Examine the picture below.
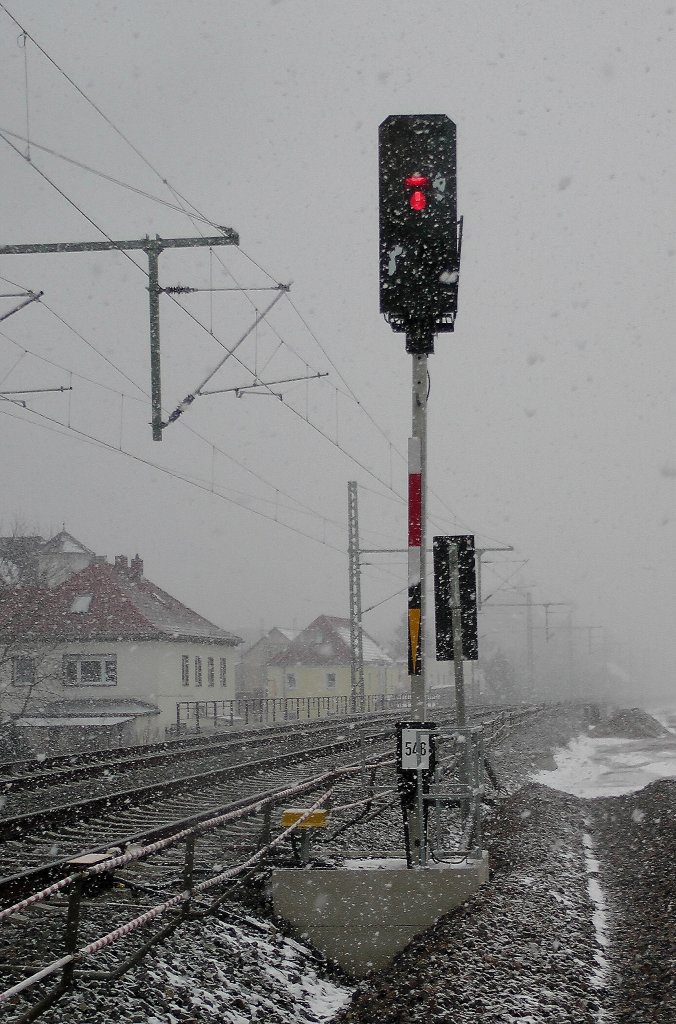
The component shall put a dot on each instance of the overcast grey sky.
(551, 423)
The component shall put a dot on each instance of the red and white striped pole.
(414, 567)
(417, 462)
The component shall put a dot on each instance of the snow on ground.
(595, 767)
(666, 717)
(220, 971)
(600, 914)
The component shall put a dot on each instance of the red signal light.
(417, 199)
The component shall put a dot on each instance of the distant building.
(32, 560)
(103, 657)
(318, 663)
(251, 675)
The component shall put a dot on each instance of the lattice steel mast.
(354, 572)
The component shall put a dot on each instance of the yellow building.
(318, 664)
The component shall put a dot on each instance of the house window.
(223, 672)
(291, 681)
(90, 669)
(198, 671)
(330, 680)
(185, 670)
(210, 671)
(81, 603)
(23, 670)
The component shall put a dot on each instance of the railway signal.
(419, 267)
(419, 228)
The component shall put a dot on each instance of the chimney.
(121, 562)
(136, 567)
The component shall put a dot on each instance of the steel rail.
(12, 771)
(236, 810)
(23, 824)
(150, 915)
(74, 773)
(45, 873)
(42, 874)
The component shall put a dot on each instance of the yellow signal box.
(315, 819)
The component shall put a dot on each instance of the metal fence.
(193, 715)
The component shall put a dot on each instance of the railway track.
(177, 841)
(20, 777)
(30, 784)
(91, 812)
(36, 846)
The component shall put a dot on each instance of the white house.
(103, 657)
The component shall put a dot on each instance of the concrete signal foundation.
(364, 912)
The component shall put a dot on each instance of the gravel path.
(522, 950)
(635, 841)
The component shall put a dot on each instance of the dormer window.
(81, 603)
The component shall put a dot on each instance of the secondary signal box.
(443, 596)
(419, 239)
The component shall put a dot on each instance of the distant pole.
(354, 573)
(530, 658)
(153, 252)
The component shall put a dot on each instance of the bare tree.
(27, 665)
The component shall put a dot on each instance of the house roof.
(326, 641)
(65, 543)
(271, 641)
(288, 634)
(100, 707)
(123, 606)
(70, 721)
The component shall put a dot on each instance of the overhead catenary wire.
(177, 412)
(24, 350)
(72, 202)
(195, 393)
(197, 214)
(228, 352)
(22, 43)
(86, 438)
(80, 91)
(181, 408)
(106, 177)
(297, 506)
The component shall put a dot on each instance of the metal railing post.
(72, 927)
(188, 870)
